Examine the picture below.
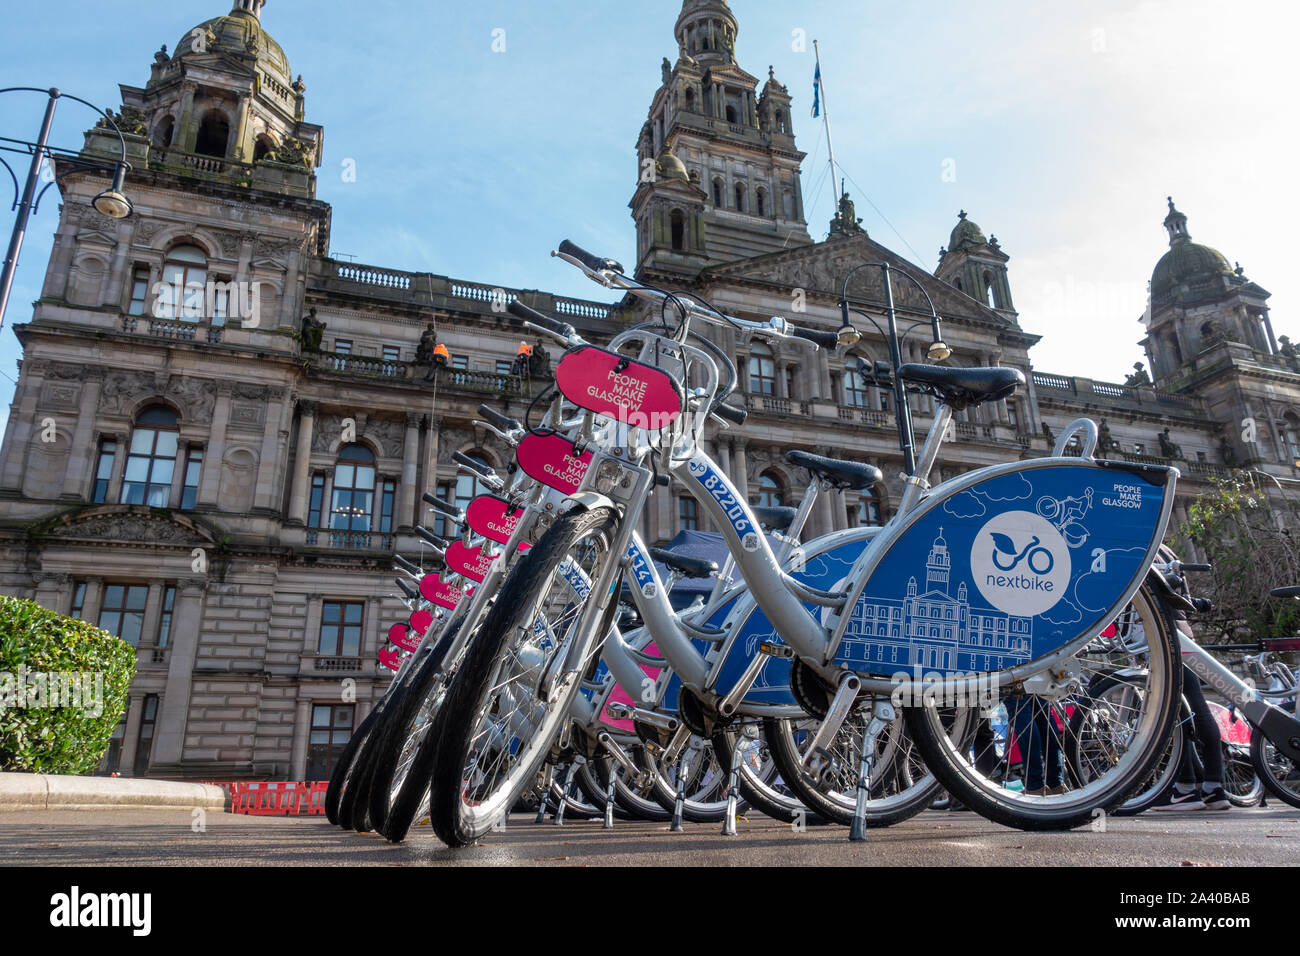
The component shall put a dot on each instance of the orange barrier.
(276, 799)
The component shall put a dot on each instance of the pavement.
(41, 791)
(1256, 837)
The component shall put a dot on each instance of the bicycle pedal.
(775, 650)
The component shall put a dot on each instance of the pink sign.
(548, 457)
(421, 620)
(471, 562)
(402, 636)
(491, 517)
(615, 386)
(619, 696)
(435, 589)
(391, 658)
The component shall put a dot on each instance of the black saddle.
(851, 475)
(1291, 591)
(963, 387)
(776, 518)
(684, 564)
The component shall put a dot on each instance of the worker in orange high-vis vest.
(441, 359)
(523, 358)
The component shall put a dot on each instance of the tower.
(717, 167)
(977, 266)
(937, 565)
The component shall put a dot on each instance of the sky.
(1058, 127)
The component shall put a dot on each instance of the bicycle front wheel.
(507, 702)
(1278, 774)
(1124, 743)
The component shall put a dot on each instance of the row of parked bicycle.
(1015, 636)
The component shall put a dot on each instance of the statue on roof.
(846, 222)
(667, 69)
(1139, 378)
(1288, 351)
(161, 56)
(1168, 448)
(312, 331)
(539, 363)
(1105, 441)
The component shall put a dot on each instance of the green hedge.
(35, 735)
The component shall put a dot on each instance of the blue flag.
(817, 92)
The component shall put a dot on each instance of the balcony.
(408, 373)
(348, 540)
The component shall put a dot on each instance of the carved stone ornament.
(130, 528)
(390, 433)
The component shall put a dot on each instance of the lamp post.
(937, 351)
(111, 202)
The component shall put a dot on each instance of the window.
(392, 353)
(165, 622)
(78, 599)
(462, 491)
(331, 728)
(1291, 435)
(688, 514)
(740, 197)
(460, 361)
(780, 121)
(761, 199)
(144, 742)
(139, 290)
(340, 629)
(690, 101)
(122, 614)
(677, 225)
(770, 491)
(1013, 416)
(343, 346)
(151, 459)
(354, 489)
(717, 193)
(163, 132)
(762, 370)
(387, 498)
(855, 389)
(114, 756)
(868, 511)
(262, 149)
(104, 470)
(184, 285)
(1139, 448)
(214, 134)
(505, 367)
(731, 113)
(193, 468)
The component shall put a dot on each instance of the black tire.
(759, 788)
(1241, 781)
(1077, 806)
(1160, 782)
(706, 794)
(393, 813)
(470, 695)
(1278, 774)
(341, 774)
(632, 803)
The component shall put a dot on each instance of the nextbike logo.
(734, 510)
(1020, 563)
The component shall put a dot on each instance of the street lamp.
(936, 352)
(112, 202)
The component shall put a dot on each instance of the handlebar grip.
(407, 566)
(594, 263)
(526, 314)
(503, 422)
(1195, 567)
(445, 507)
(827, 340)
(736, 416)
(406, 589)
(461, 458)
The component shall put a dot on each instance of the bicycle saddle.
(776, 518)
(1291, 591)
(684, 564)
(851, 475)
(963, 387)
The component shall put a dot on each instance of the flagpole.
(826, 115)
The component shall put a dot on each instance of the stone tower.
(977, 266)
(718, 171)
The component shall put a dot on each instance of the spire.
(1176, 223)
(706, 31)
(252, 7)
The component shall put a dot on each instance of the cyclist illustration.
(1067, 514)
(1039, 559)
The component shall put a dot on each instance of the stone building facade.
(220, 434)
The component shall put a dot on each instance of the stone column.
(110, 289)
(18, 431)
(83, 456)
(52, 592)
(406, 489)
(301, 733)
(781, 391)
(65, 244)
(131, 734)
(724, 454)
(152, 615)
(299, 496)
(174, 708)
(92, 600)
(216, 450)
(187, 131)
(269, 466)
(741, 474)
(432, 426)
(114, 493)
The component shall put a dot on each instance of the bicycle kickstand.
(733, 786)
(558, 819)
(882, 715)
(546, 792)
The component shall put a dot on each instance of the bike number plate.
(548, 457)
(613, 385)
(1005, 571)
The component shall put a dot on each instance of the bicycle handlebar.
(521, 311)
(594, 263)
(503, 422)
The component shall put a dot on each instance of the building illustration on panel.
(934, 629)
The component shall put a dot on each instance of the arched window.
(771, 494)
(677, 225)
(151, 460)
(353, 500)
(262, 148)
(717, 192)
(731, 114)
(855, 389)
(184, 280)
(690, 100)
(740, 197)
(762, 370)
(869, 511)
(163, 132)
(1291, 435)
(990, 293)
(461, 491)
(761, 199)
(214, 135)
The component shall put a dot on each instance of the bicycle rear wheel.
(1276, 771)
(1132, 739)
(506, 703)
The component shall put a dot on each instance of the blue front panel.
(1005, 571)
(669, 699)
(773, 684)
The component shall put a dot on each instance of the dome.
(1186, 263)
(670, 167)
(238, 33)
(966, 233)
